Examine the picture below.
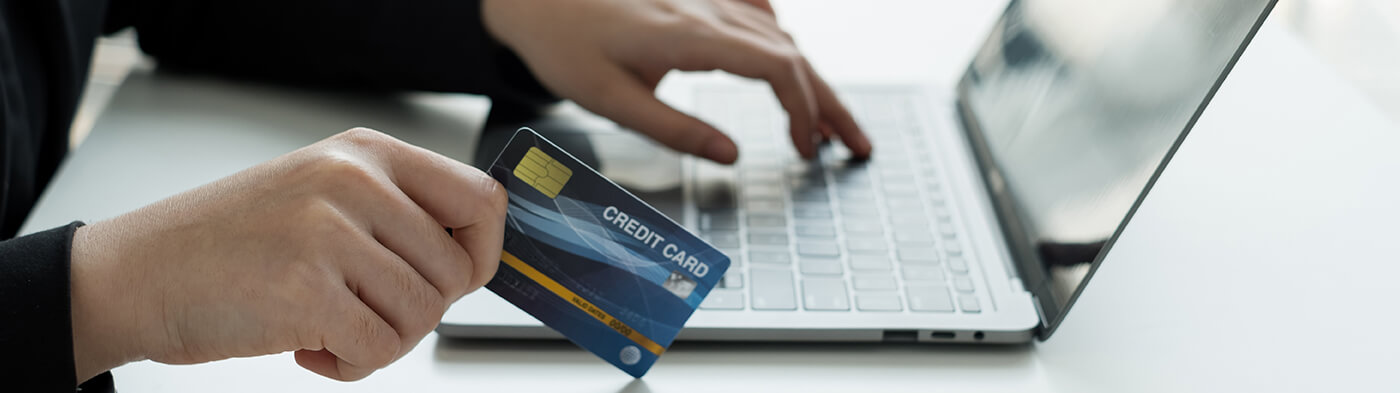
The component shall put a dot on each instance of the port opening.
(901, 336)
(942, 335)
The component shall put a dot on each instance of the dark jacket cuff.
(36, 331)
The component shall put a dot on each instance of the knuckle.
(340, 172)
(482, 271)
(497, 197)
(320, 216)
(382, 344)
(787, 37)
(680, 20)
(425, 303)
(433, 308)
(362, 136)
(783, 60)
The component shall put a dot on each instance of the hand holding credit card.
(594, 262)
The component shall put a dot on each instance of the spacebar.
(772, 290)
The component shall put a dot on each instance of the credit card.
(594, 262)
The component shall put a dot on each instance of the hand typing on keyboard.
(833, 235)
(609, 55)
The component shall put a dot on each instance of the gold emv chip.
(543, 172)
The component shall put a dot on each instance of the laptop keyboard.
(830, 234)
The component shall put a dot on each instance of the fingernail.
(721, 150)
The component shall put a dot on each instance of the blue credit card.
(594, 262)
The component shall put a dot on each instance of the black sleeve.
(434, 45)
(36, 331)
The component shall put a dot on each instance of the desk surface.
(1262, 261)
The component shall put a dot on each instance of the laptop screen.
(1075, 106)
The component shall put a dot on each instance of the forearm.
(435, 45)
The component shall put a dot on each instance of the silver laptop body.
(984, 211)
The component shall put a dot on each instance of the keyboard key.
(932, 299)
(897, 203)
(936, 199)
(768, 239)
(811, 212)
(866, 244)
(878, 303)
(870, 262)
(780, 257)
(767, 221)
(732, 280)
(929, 174)
(923, 273)
(907, 218)
(917, 255)
(947, 231)
(911, 213)
(723, 239)
(852, 180)
(901, 189)
(902, 193)
(770, 190)
(814, 195)
(768, 205)
(818, 249)
(864, 226)
(735, 257)
(762, 175)
(867, 282)
(825, 294)
(820, 266)
(807, 183)
(952, 248)
(862, 196)
(724, 300)
(957, 265)
(815, 230)
(720, 219)
(715, 193)
(914, 237)
(772, 290)
(969, 304)
(859, 210)
(963, 284)
(895, 174)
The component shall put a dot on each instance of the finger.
(438, 184)
(455, 195)
(397, 292)
(761, 4)
(411, 234)
(835, 115)
(357, 342)
(754, 20)
(619, 95)
(779, 64)
(484, 239)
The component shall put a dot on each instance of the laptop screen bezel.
(1026, 262)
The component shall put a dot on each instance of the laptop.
(982, 215)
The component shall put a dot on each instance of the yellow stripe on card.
(543, 172)
(577, 301)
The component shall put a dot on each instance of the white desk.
(1264, 260)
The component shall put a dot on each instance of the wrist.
(106, 329)
(495, 16)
